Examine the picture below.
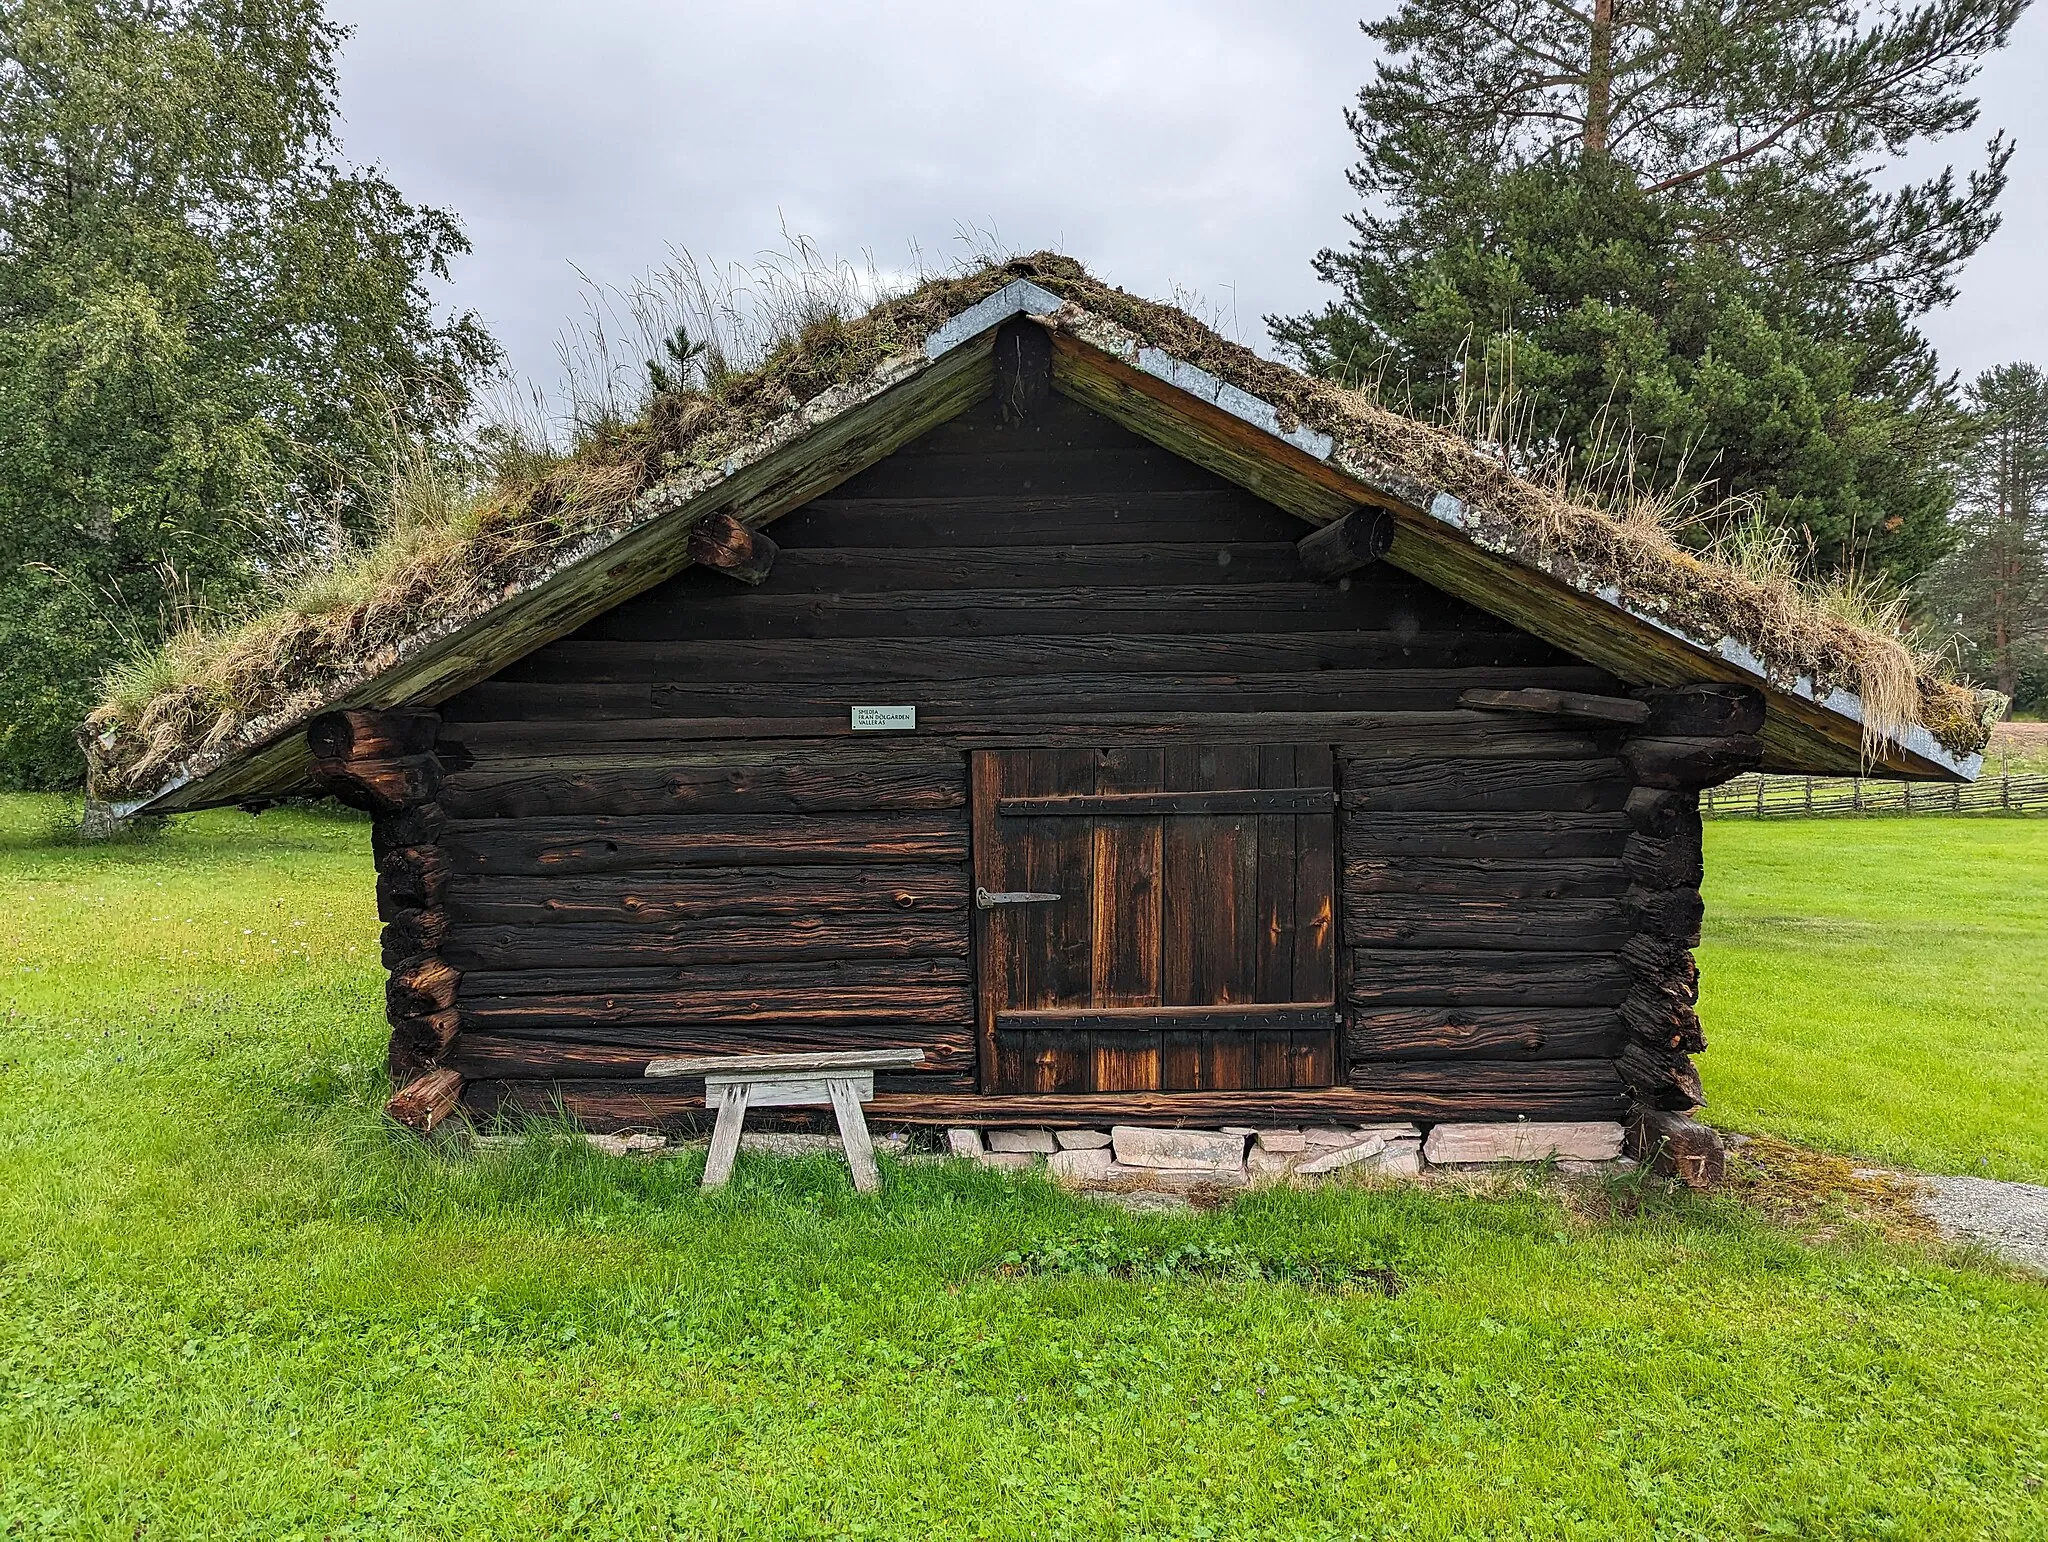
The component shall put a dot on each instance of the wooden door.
(1192, 943)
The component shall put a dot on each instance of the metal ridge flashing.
(1019, 297)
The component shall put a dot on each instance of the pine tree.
(1663, 221)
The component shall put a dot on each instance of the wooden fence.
(1801, 797)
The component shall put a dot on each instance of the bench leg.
(853, 1135)
(725, 1136)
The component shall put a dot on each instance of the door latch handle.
(984, 900)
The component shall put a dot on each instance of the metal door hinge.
(984, 900)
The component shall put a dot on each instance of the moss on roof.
(209, 694)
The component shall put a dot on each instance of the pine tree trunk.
(1600, 77)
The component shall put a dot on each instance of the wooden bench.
(735, 1083)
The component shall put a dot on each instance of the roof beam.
(719, 541)
(1343, 546)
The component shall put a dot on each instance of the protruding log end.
(1343, 546)
(427, 1100)
(1690, 764)
(362, 734)
(421, 988)
(722, 542)
(1702, 711)
(1660, 1078)
(1678, 1147)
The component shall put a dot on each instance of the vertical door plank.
(1181, 1067)
(1058, 938)
(1181, 898)
(1276, 884)
(1125, 951)
(1231, 1061)
(999, 1069)
(1315, 891)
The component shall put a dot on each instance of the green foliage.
(1655, 232)
(234, 1306)
(1107, 1256)
(1992, 590)
(1877, 987)
(208, 328)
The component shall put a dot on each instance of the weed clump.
(1104, 1257)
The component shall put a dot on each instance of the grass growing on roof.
(231, 1306)
(1879, 987)
(216, 688)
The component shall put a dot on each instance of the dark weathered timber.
(1520, 835)
(605, 844)
(1661, 1022)
(908, 659)
(1023, 360)
(420, 987)
(411, 878)
(1469, 977)
(1436, 785)
(380, 786)
(1556, 703)
(1673, 913)
(741, 782)
(419, 1042)
(1662, 813)
(1483, 1033)
(417, 826)
(723, 544)
(1345, 545)
(796, 1033)
(1663, 1079)
(1567, 1078)
(1242, 800)
(984, 519)
(765, 979)
(796, 939)
(1676, 861)
(426, 1100)
(1665, 960)
(411, 933)
(712, 895)
(1691, 763)
(1483, 878)
(528, 1055)
(636, 1103)
(1702, 711)
(1264, 1018)
(887, 1000)
(361, 734)
(1443, 921)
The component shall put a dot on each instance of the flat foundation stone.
(1344, 1156)
(1039, 1142)
(1328, 1140)
(1523, 1141)
(1208, 1151)
(1083, 1140)
(1073, 1168)
(1280, 1141)
(1012, 1161)
(965, 1143)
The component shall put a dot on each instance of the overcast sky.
(1189, 145)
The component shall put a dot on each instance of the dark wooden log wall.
(659, 836)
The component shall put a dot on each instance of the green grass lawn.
(232, 1305)
(1879, 987)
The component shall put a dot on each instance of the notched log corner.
(426, 1101)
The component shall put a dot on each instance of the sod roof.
(546, 553)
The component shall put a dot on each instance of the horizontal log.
(522, 1057)
(1483, 1033)
(744, 939)
(988, 517)
(1444, 921)
(819, 979)
(411, 878)
(366, 734)
(942, 1002)
(1300, 1017)
(1656, 1019)
(1251, 800)
(1443, 786)
(777, 662)
(1663, 960)
(379, 786)
(735, 782)
(722, 543)
(420, 1042)
(1702, 711)
(1691, 764)
(1503, 1078)
(608, 844)
(419, 825)
(1521, 835)
(1554, 703)
(420, 987)
(1677, 861)
(1345, 545)
(1663, 1079)
(1446, 977)
(712, 894)
(426, 1100)
(412, 933)
(629, 1104)
(1453, 735)
(795, 1033)
(1673, 913)
(1483, 878)
(1662, 813)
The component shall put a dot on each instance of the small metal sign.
(881, 720)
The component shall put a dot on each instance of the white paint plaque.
(882, 720)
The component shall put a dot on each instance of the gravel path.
(2009, 1219)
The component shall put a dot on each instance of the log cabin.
(1143, 731)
